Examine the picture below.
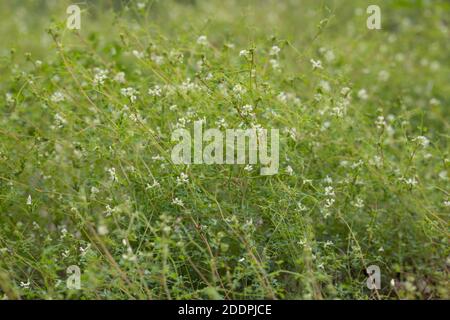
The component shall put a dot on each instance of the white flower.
(289, 170)
(292, 132)
(84, 251)
(274, 51)
(316, 64)
(120, 77)
(383, 75)
(129, 92)
(362, 94)
(359, 203)
(176, 56)
(301, 207)
(248, 168)
(60, 121)
(410, 181)
(325, 85)
(129, 256)
(328, 244)
(376, 161)
(58, 96)
(357, 164)
(244, 53)
(423, 141)
(434, 102)
(109, 211)
(329, 56)
(9, 98)
(182, 179)
(155, 92)
(238, 90)
(247, 110)
(154, 185)
(138, 54)
(380, 123)
(112, 174)
(178, 202)
(29, 201)
(100, 76)
(446, 203)
(94, 190)
(329, 191)
(202, 40)
(328, 180)
(65, 253)
(25, 285)
(329, 202)
(443, 175)
(157, 59)
(102, 230)
(221, 123)
(282, 97)
(275, 64)
(345, 91)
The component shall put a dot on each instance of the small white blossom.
(380, 122)
(328, 180)
(9, 98)
(274, 51)
(129, 255)
(289, 170)
(155, 91)
(345, 91)
(157, 59)
(329, 191)
(100, 76)
(329, 202)
(383, 75)
(275, 64)
(182, 179)
(409, 181)
(58, 96)
(244, 53)
(423, 141)
(359, 203)
(112, 174)
(102, 230)
(138, 54)
(129, 92)
(316, 64)
(154, 185)
(301, 207)
(202, 40)
(119, 77)
(362, 94)
(239, 90)
(178, 202)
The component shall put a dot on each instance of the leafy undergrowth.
(86, 176)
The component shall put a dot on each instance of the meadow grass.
(86, 176)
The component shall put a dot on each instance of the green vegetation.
(86, 176)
